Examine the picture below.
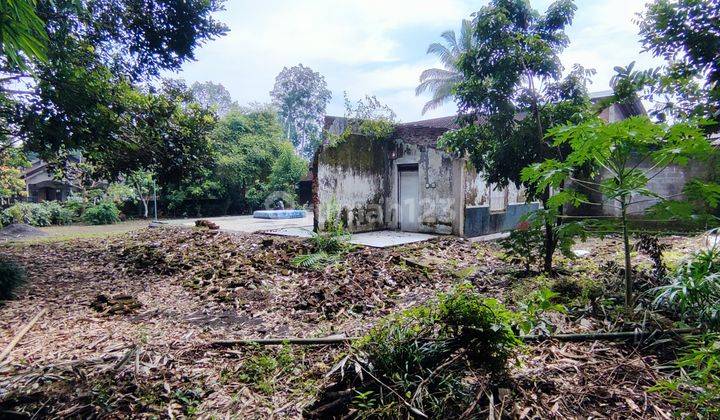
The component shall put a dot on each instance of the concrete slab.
(248, 223)
(388, 238)
(377, 239)
(490, 237)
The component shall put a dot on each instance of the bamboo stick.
(323, 341)
(20, 335)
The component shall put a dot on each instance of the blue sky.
(378, 47)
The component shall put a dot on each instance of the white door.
(409, 198)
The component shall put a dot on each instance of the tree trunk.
(628, 264)
(145, 207)
(550, 243)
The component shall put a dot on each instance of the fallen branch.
(20, 335)
(600, 336)
(320, 341)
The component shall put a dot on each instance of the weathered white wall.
(440, 188)
(352, 175)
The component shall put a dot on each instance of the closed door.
(409, 199)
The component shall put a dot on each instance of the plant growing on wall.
(616, 153)
(365, 117)
(513, 69)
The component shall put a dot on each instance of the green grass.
(70, 232)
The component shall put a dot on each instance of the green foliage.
(512, 68)
(532, 309)
(685, 33)
(525, 244)
(84, 97)
(22, 32)
(12, 276)
(29, 213)
(103, 213)
(59, 214)
(423, 356)
(369, 118)
(253, 160)
(330, 244)
(12, 160)
(261, 370)
(441, 82)
(612, 152)
(694, 289)
(696, 391)
(75, 204)
(213, 96)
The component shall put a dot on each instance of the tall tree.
(213, 95)
(686, 33)
(301, 97)
(440, 82)
(511, 93)
(96, 51)
(253, 159)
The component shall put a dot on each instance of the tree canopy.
(686, 34)
(214, 96)
(301, 96)
(511, 93)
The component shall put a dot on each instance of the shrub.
(694, 289)
(418, 363)
(696, 391)
(75, 205)
(59, 215)
(11, 277)
(30, 213)
(524, 245)
(532, 310)
(329, 245)
(103, 213)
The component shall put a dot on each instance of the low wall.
(480, 221)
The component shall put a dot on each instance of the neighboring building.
(43, 186)
(407, 183)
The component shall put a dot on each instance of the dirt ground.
(133, 321)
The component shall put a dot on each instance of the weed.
(260, 370)
(697, 388)
(524, 245)
(330, 245)
(694, 290)
(419, 361)
(530, 317)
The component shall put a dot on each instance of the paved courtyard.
(248, 223)
(303, 228)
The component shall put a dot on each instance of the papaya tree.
(623, 158)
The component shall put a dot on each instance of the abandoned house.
(42, 185)
(407, 183)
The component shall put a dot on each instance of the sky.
(374, 47)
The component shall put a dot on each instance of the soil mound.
(20, 231)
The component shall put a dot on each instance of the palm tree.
(441, 81)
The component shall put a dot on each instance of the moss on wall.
(359, 154)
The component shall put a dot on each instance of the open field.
(132, 323)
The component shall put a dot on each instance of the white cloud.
(378, 47)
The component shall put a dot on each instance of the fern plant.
(694, 289)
